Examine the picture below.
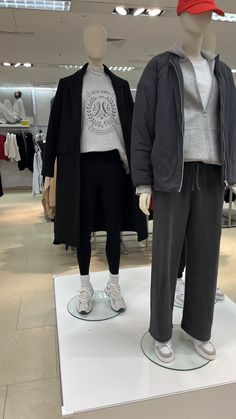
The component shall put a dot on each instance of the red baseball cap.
(195, 7)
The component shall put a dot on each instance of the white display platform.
(102, 364)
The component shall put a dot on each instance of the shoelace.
(115, 292)
(84, 296)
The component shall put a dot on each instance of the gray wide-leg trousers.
(194, 213)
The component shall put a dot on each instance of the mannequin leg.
(203, 238)
(87, 209)
(112, 192)
(171, 212)
(112, 201)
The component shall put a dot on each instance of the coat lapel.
(75, 88)
(117, 86)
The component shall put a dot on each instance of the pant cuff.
(195, 334)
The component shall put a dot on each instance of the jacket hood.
(178, 50)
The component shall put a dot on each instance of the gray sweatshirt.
(101, 127)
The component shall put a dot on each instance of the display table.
(102, 364)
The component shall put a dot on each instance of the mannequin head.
(17, 95)
(95, 43)
(196, 24)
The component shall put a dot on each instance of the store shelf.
(102, 364)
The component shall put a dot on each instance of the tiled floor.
(29, 373)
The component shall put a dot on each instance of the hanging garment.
(30, 150)
(2, 152)
(37, 180)
(26, 148)
(22, 165)
(63, 141)
(49, 194)
(227, 195)
(11, 149)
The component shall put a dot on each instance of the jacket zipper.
(182, 113)
(223, 123)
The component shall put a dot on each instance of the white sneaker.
(164, 351)
(180, 292)
(205, 349)
(84, 305)
(114, 292)
(219, 295)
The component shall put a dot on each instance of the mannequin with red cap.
(184, 152)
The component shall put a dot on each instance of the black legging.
(101, 172)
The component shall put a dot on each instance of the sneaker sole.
(164, 360)
(203, 354)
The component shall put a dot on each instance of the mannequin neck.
(94, 63)
(192, 45)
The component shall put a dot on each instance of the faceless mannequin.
(209, 41)
(182, 155)
(95, 44)
(194, 27)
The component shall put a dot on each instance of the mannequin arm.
(234, 189)
(144, 202)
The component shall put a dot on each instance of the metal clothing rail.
(229, 215)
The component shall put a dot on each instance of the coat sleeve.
(52, 132)
(143, 127)
(231, 116)
(129, 98)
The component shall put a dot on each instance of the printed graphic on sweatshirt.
(101, 114)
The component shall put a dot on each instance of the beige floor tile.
(36, 310)
(34, 400)
(134, 259)
(27, 355)
(13, 283)
(3, 392)
(9, 310)
(14, 260)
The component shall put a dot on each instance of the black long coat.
(63, 142)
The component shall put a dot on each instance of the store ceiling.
(48, 39)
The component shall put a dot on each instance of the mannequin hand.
(233, 189)
(144, 203)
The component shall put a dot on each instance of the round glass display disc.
(101, 308)
(186, 358)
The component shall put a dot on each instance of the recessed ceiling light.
(17, 65)
(228, 17)
(121, 11)
(234, 70)
(27, 65)
(139, 11)
(154, 12)
(55, 5)
(6, 64)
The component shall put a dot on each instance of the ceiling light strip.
(228, 17)
(50, 5)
